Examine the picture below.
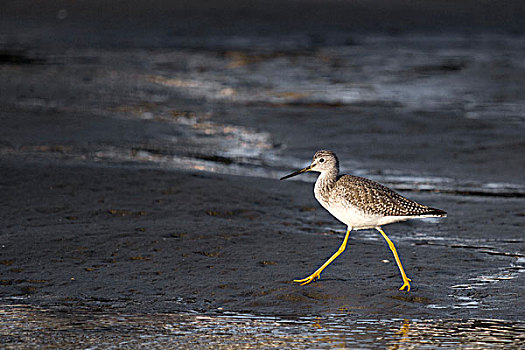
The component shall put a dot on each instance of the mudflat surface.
(144, 240)
(141, 143)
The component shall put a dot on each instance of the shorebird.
(361, 204)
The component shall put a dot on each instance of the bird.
(360, 203)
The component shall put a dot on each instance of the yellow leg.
(317, 273)
(393, 249)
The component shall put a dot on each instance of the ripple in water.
(26, 326)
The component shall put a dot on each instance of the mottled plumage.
(374, 198)
(360, 203)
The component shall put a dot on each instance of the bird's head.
(322, 161)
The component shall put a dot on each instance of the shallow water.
(22, 325)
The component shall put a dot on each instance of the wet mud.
(140, 239)
(139, 162)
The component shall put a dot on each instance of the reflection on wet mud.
(26, 326)
(430, 74)
(403, 336)
(198, 143)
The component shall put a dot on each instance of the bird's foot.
(309, 279)
(406, 284)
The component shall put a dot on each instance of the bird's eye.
(321, 160)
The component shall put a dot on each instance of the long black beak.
(297, 173)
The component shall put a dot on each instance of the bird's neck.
(325, 182)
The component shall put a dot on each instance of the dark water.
(28, 326)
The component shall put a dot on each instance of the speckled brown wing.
(374, 198)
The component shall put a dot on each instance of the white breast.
(354, 217)
(343, 211)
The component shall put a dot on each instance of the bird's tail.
(433, 212)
